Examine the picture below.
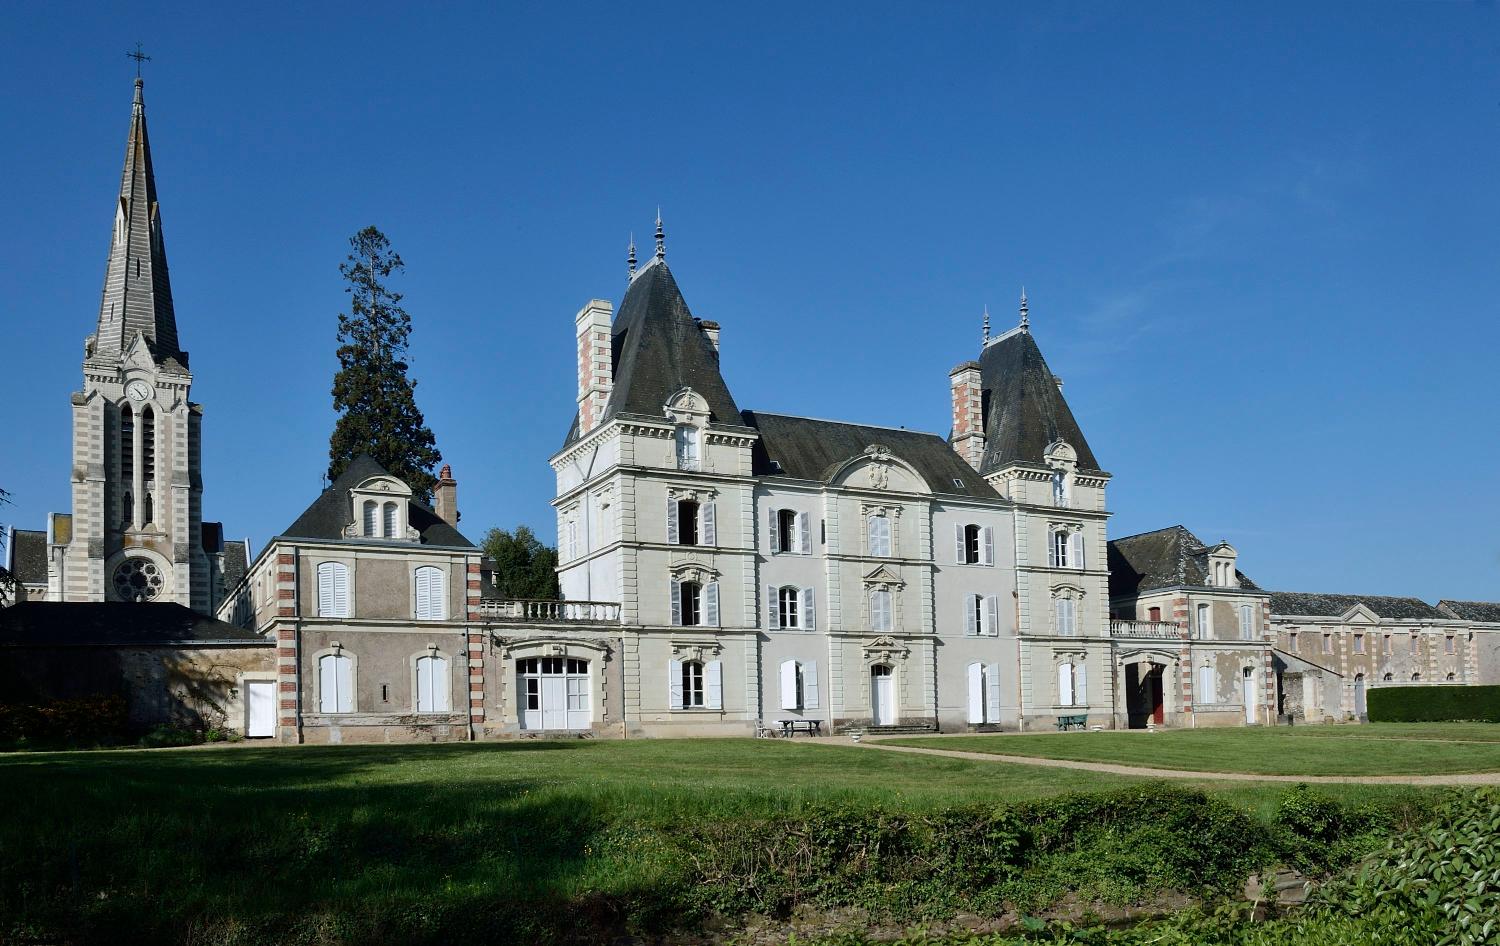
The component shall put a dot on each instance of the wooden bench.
(1073, 722)
(790, 727)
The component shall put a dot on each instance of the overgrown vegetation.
(1409, 704)
(64, 724)
(554, 842)
(524, 567)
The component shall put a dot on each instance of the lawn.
(362, 842)
(1374, 749)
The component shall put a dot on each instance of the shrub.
(164, 736)
(1436, 704)
(78, 723)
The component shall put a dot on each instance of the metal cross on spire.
(139, 58)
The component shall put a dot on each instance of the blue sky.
(1260, 241)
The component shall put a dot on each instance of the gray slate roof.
(137, 290)
(1024, 410)
(118, 623)
(331, 512)
(1321, 605)
(659, 349)
(1486, 611)
(28, 556)
(812, 449)
(236, 561)
(1165, 558)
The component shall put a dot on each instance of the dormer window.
(379, 509)
(372, 518)
(388, 520)
(687, 447)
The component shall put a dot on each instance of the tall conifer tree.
(378, 413)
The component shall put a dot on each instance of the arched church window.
(148, 446)
(127, 444)
(148, 509)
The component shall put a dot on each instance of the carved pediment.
(696, 649)
(884, 575)
(884, 649)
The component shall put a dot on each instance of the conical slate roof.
(659, 349)
(137, 290)
(1024, 410)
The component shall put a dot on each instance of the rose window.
(137, 579)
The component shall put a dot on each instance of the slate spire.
(137, 291)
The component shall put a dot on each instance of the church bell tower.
(136, 529)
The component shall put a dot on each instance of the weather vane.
(139, 58)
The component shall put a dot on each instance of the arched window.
(148, 445)
(148, 509)
(1388, 678)
(692, 684)
(432, 594)
(789, 605)
(372, 522)
(690, 601)
(335, 683)
(881, 617)
(1450, 678)
(333, 590)
(879, 528)
(1416, 677)
(433, 684)
(976, 544)
(127, 506)
(127, 444)
(390, 520)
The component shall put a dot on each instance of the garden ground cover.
(1372, 749)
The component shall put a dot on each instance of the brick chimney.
(445, 496)
(596, 370)
(967, 437)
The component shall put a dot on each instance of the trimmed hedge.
(1434, 704)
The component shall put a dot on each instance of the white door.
(882, 696)
(554, 703)
(260, 700)
(1359, 694)
(1249, 695)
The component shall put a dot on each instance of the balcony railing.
(551, 612)
(1161, 630)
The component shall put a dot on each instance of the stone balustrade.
(550, 612)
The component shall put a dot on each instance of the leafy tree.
(524, 567)
(377, 410)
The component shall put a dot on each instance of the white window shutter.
(346, 683)
(325, 591)
(774, 531)
(789, 684)
(711, 604)
(992, 614)
(715, 673)
(987, 550)
(992, 694)
(1081, 683)
(976, 693)
(440, 685)
(810, 685)
(1065, 684)
(438, 589)
(340, 590)
(809, 611)
(674, 684)
(710, 530)
(328, 685)
(872, 538)
(424, 684)
(804, 533)
(1075, 560)
(676, 602)
(773, 608)
(673, 537)
(971, 614)
(424, 599)
(959, 551)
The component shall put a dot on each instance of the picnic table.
(790, 727)
(1080, 721)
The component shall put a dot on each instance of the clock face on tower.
(137, 390)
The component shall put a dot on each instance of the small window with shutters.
(433, 685)
(1208, 686)
(1072, 683)
(335, 683)
(1247, 622)
(1065, 613)
(881, 618)
(431, 594)
(333, 590)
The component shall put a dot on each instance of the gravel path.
(1467, 778)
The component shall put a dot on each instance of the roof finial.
(661, 237)
(986, 324)
(1025, 312)
(630, 260)
(139, 58)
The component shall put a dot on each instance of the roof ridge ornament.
(1025, 312)
(986, 340)
(630, 260)
(661, 237)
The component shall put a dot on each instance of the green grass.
(1375, 749)
(356, 840)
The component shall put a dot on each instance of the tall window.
(1205, 622)
(1208, 685)
(984, 692)
(788, 603)
(372, 518)
(791, 531)
(1386, 644)
(687, 522)
(692, 684)
(1291, 640)
(432, 596)
(127, 464)
(1448, 644)
(1060, 497)
(976, 544)
(1415, 645)
(1059, 548)
(335, 683)
(1247, 623)
(1072, 684)
(1359, 643)
(333, 590)
(690, 601)
(687, 447)
(433, 684)
(881, 618)
(879, 528)
(1066, 614)
(390, 520)
(799, 684)
(1327, 643)
(148, 444)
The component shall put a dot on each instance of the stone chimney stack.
(445, 496)
(596, 369)
(711, 331)
(967, 437)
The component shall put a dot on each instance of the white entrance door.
(1249, 696)
(554, 703)
(882, 696)
(1359, 694)
(260, 702)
